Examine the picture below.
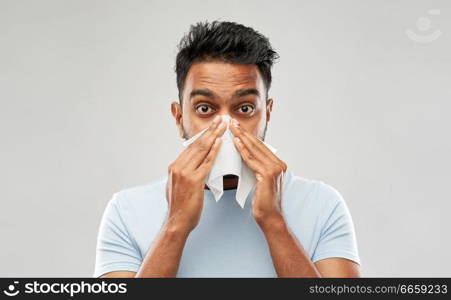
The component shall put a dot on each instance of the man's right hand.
(187, 175)
(185, 196)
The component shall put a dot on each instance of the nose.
(224, 111)
(226, 118)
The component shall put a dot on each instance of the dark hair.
(224, 41)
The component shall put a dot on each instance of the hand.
(268, 169)
(187, 175)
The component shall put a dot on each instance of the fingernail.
(235, 123)
(216, 119)
(221, 125)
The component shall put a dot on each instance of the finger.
(249, 141)
(255, 145)
(211, 134)
(248, 158)
(185, 157)
(207, 164)
(201, 147)
(213, 125)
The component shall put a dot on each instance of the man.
(289, 226)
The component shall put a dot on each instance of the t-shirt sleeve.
(115, 250)
(337, 237)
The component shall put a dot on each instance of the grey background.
(85, 89)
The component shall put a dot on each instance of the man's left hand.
(269, 171)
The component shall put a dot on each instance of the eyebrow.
(242, 93)
(210, 94)
(200, 92)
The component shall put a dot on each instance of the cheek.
(193, 124)
(260, 127)
(254, 126)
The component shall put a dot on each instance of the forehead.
(223, 77)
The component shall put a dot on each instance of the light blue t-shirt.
(227, 242)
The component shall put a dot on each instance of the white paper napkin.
(229, 161)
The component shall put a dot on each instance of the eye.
(246, 109)
(204, 109)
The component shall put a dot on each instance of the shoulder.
(138, 191)
(311, 207)
(317, 195)
(137, 198)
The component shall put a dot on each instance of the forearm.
(288, 256)
(163, 258)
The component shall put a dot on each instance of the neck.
(229, 182)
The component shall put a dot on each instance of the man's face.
(217, 88)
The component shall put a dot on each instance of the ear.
(268, 109)
(176, 110)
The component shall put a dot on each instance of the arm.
(185, 196)
(164, 257)
(290, 259)
(282, 245)
(288, 255)
(338, 267)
